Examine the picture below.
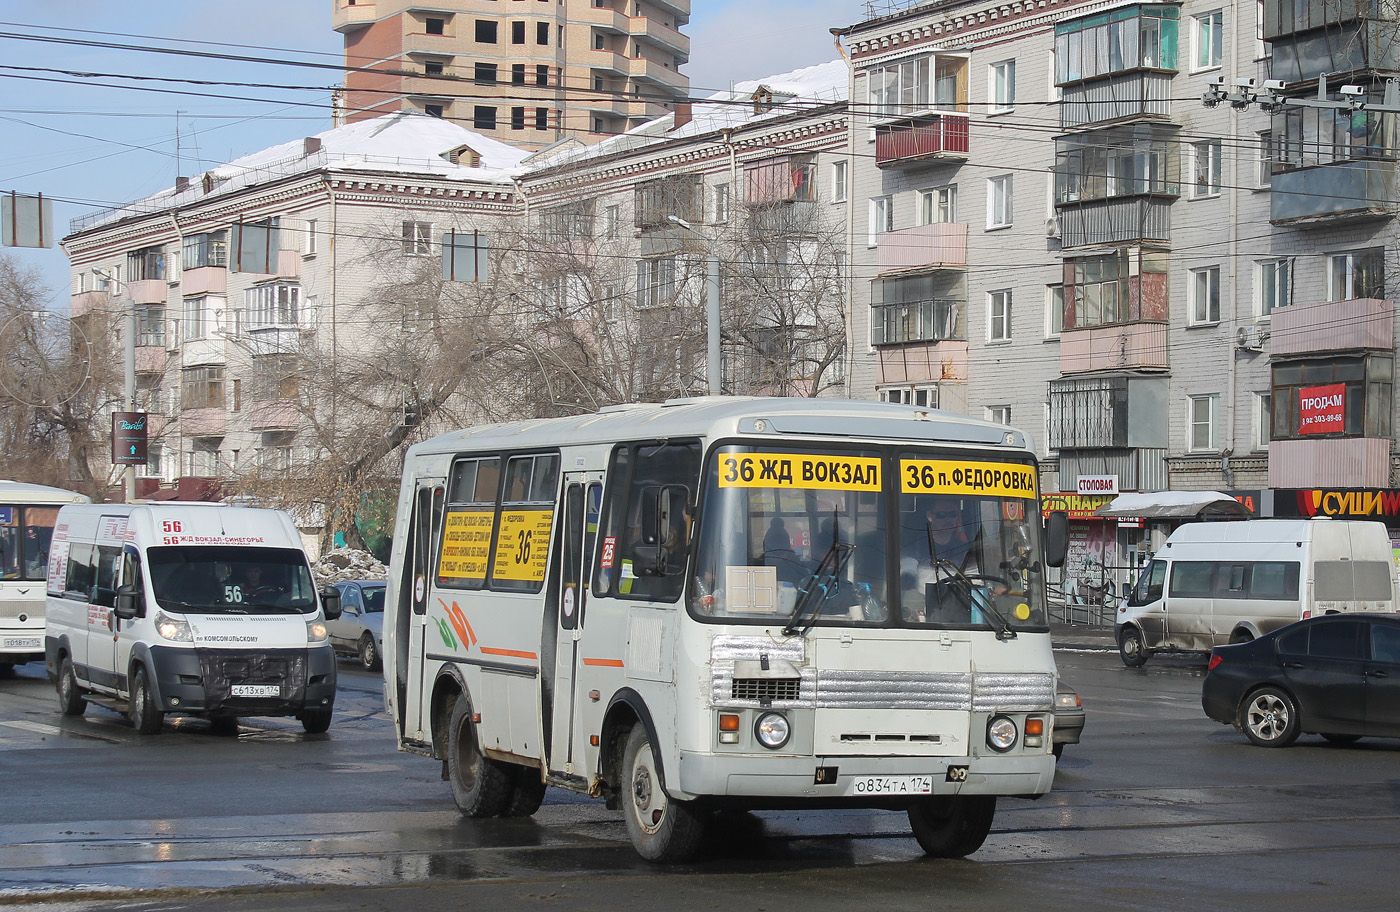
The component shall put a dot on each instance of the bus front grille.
(765, 690)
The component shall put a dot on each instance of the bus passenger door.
(410, 647)
(583, 498)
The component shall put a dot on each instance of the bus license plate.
(892, 785)
(22, 642)
(256, 690)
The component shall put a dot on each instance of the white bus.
(27, 515)
(727, 603)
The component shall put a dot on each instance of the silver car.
(359, 631)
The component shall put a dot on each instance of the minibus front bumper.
(242, 682)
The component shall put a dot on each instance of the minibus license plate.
(21, 642)
(892, 785)
(256, 690)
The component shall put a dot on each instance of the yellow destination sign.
(466, 545)
(522, 545)
(799, 470)
(958, 476)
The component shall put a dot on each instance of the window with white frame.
(1263, 420)
(312, 237)
(1206, 40)
(999, 315)
(207, 249)
(150, 324)
(202, 387)
(938, 205)
(1054, 310)
(1201, 414)
(656, 281)
(838, 181)
(274, 304)
(1205, 168)
(1272, 285)
(999, 201)
(612, 222)
(1205, 295)
(881, 218)
(721, 204)
(922, 395)
(199, 318)
(417, 238)
(1356, 274)
(275, 453)
(1001, 414)
(1262, 48)
(1001, 81)
(1268, 155)
(204, 457)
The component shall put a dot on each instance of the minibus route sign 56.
(799, 470)
(959, 476)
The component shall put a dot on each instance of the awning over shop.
(1175, 505)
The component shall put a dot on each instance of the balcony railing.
(1121, 97)
(350, 14)
(1333, 462)
(916, 139)
(1114, 221)
(937, 320)
(1302, 329)
(1327, 194)
(1120, 346)
(942, 244)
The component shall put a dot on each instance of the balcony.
(1126, 96)
(656, 73)
(1114, 221)
(1302, 329)
(923, 362)
(654, 32)
(938, 320)
(351, 14)
(88, 301)
(148, 291)
(203, 422)
(1121, 346)
(1333, 462)
(915, 140)
(942, 245)
(1108, 413)
(1327, 194)
(274, 415)
(204, 280)
(150, 359)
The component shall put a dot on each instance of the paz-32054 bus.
(727, 603)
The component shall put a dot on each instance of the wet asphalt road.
(1158, 808)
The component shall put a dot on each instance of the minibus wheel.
(70, 696)
(481, 787)
(144, 715)
(315, 721)
(661, 829)
(1131, 648)
(954, 825)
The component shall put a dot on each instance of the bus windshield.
(232, 579)
(866, 537)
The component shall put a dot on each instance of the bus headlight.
(175, 629)
(772, 730)
(1001, 734)
(315, 632)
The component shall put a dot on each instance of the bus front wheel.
(481, 787)
(661, 829)
(952, 826)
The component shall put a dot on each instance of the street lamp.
(712, 361)
(129, 364)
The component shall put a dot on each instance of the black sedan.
(1337, 676)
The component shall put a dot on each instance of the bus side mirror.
(1056, 539)
(128, 603)
(330, 603)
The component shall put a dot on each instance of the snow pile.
(347, 564)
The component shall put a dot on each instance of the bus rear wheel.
(661, 829)
(481, 787)
(952, 826)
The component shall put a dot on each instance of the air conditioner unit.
(1244, 342)
(1052, 226)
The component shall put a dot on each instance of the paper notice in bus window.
(799, 470)
(960, 476)
(466, 545)
(522, 545)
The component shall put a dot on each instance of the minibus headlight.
(171, 628)
(1001, 734)
(315, 632)
(772, 730)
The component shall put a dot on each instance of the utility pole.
(713, 367)
(129, 369)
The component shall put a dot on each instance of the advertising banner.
(1322, 409)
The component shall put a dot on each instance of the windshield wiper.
(969, 588)
(819, 586)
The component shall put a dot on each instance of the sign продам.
(1322, 409)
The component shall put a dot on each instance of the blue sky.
(66, 131)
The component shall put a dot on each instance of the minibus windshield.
(232, 579)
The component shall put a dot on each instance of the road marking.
(38, 727)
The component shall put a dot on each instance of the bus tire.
(661, 829)
(313, 721)
(146, 717)
(526, 793)
(952, 826)
(481, 787)
(70, 695)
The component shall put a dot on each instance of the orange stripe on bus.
(610, 663)
(513, 653)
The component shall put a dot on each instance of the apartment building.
(1166, 294)
(526, 72)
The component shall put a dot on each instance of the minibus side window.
(1275, 580)
(1192, 579)
(1149, 587)
(105, 590)
(81, 571)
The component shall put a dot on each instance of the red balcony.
(917, 139)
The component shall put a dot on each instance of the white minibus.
(727, 603)
(199, 609)
(1215, 583)
(27, 514)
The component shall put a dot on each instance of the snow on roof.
(1171, 503)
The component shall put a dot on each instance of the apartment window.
(1206, 40)
(1273, 285)
(1127, 161)
(938, 205)
(1268, 156)
(274, 304)
(1261, 47)
(542, 33)
(517, 74)
(881, 219)
(517, 33)
(1054, 310)
(275, 378)
(656, 281)
(209, 249)
(484, 117)
(150, 324)
(1263, 420)
(1205, 295)
(435, 26)
(517, 118)
(919, 308)
(1205, 168)
(1348, 396)
(541, 118)
(417, 238)
(198, 316)
(433, 110)
(612, 222)
(432, 68)
(1356, 274)
(542, 74)
(1201, 422)
(721, 204)
(599, 42)
(838, 181)
(921, 396)
(1002, 83)
(145, 264)
(1001, 414)
(275, 454)
(999, 201)
(486, 31)
(1133, 38)
(312, 237)
(1121, 287)
(202, 387)
(204, 457)
(999, 316)
(486, 73)
(911, 86)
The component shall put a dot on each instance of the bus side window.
(651, 494)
